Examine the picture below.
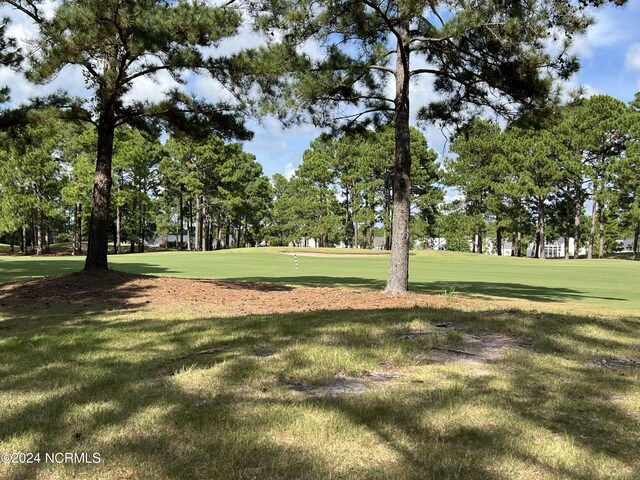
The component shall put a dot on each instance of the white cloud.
(605, 33)
(212, 90)
(151, 88)
(632, 57)
(289, 169)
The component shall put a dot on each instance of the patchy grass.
(185, 395)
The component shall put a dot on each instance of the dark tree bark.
(398, 281)
(74, 251)
(540, 230)
(181, 224)
(576, 227)
(118, 230)
(601, 220)
(197, 239)
(219, 234)
(12, 241)
(567, 234)
(99, 223)
(40, 235)
(80, 229)
(141, 229)
(592, 232)
(636, 234)
(499, 241)
(23, 240)
(206, 223)
(190, 225)
(479, 238)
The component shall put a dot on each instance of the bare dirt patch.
(617, 363)
(343, 385)
(112, 290)
(474, 349)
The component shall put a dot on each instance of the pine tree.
(115, 42)
(490, 54)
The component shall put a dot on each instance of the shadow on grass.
(140, 391)
(490, 289)
(536, 293)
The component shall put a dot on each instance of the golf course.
(241, 364)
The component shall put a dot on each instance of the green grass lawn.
(608, 285)
(165, 394)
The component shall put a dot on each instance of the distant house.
(304, 242)
(624, 246)
(556, 248)
(436, 243)
(167, 241)
(378, 243)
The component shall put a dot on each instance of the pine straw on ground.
(112, 290)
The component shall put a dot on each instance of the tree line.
(526, 183)
(203, 191)
(538, 176)
(479, 55)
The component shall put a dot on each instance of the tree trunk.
(576, 227)
(99, 223)
(479, 243)
(181, 224)
(219, 233)
(197, 241)
(601, 221)
(33, 236)
(118, 230)
(398, 281)
(206, 223)
(80, 229)
(499, 241)
(141, 230)
(541, 225)
(40, 235)
(567, 233)
(355, 235)
(12, 240)
(592, 232)
(75, 230)
(636, 234)
(23, 240)
(190, 225)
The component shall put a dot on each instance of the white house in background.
(437, 243)
(167, 240)
(556, 248)
(624, 246)
(304, 242)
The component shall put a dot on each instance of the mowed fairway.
(606, 286)
(527, 370)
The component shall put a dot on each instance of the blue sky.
(609, 53)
